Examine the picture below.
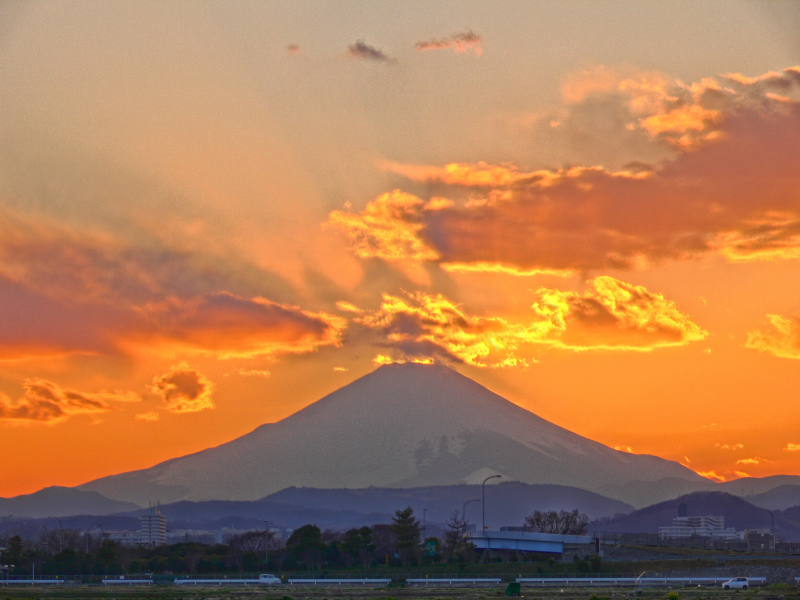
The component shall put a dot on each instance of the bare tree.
(455, 538)
(563, 522)
(251, 541)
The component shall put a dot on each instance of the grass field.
(773, 592)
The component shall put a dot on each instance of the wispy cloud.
(363, 51)
(150, 416)
(781, 338)
(184, 390)
(791, 447)
(254, 373)
(756, 460)
(460, 42)
(712, 475)
(67, 290)
(46, 402)
(729, 446)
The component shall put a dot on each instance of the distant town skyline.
(214, 214)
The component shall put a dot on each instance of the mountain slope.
(400, 426)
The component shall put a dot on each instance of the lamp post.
(771, 514)
(424, 524)
(60, 533)
(464, 511)
(89, 535)
(266, 541)
(483, 502)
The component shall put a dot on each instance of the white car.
(268, 579)
(737, 583)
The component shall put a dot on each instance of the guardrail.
(455, 581)
(220, 582)
(339, 581)
(31, 581)
(127, 582)
(629, 581)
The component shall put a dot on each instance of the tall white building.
(153, 528)
(712, 526)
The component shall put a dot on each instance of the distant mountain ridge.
(738, 514)
(400, 426)
(59, 501)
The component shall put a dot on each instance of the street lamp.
(464, 511)
(771, 514)
(483, 502)
(266, 541)
(60, 533)
(424, 524)
(89, 535)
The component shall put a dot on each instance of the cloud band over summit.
(705, 200)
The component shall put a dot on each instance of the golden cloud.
(422, 326)
(790, 447)
(46, 402)
(782, 338)
(387, 228)
(612, 315)
(184, 389)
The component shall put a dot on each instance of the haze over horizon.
(214, 214)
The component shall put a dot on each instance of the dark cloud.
(46, 402)
(460, 42)
(364, 51)
(229, 326)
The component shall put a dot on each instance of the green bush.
(672, 595)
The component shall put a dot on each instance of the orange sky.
(213, 214)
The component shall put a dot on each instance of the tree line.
(398, 543)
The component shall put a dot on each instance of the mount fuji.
(401, 426)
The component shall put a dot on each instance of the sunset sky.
(214, 213)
